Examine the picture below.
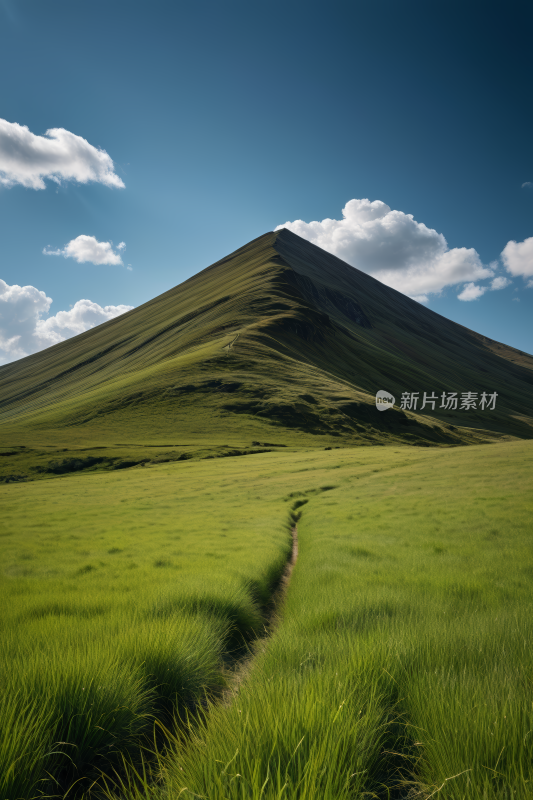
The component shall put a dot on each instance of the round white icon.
(384, 400)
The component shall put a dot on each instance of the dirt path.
(241, 669)
(279, 595)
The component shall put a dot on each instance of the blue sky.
(224, 120)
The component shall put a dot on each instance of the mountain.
(279, 341)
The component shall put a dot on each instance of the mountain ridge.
(303, 341)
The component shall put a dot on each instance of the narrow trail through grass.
(239, 668)
(238, 665)
(401, 666)
(123, 597)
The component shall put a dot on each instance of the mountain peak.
(278, 334)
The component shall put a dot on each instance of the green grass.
(404, 658)
(122, 593)
(402, 661)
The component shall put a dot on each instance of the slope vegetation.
(278, 342)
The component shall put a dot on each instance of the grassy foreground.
(403, 664)
(122, 593)
(403, 661)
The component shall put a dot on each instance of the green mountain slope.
(279, 341)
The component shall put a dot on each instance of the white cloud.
(121, 246)
(83, 315)
(21, 308)
(499, 283)
(88, 248)
(527, 185)
(24, 331)
(518, 258)
(472, 292)
(394, 248)
(60, 155)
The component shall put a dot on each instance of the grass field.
(121, 594)
(151, 470)
(402, 665)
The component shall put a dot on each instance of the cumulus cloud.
(394, 248)
(83, 315)
(499, 283)
(21, 308)
(59, 155)
(23, 330)
(472, 292)
(88, 248)
(518, 259)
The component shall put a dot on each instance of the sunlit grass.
(404, 659)
(121, 595)
(402, 662)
